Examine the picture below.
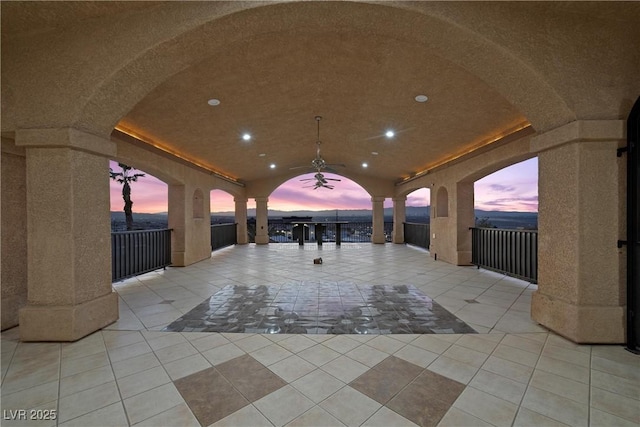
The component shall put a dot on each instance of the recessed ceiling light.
(389, 133)
(421, 98)
(246, 137)
(261, 155)
(365, 165)
(213, 102)
(272, 165)
(375, 153)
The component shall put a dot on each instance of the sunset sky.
(514, 188)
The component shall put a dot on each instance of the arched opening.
(222, 207)
(508, 198)
(302, 199)
(442, 203)
(418, 206)
(148, 195)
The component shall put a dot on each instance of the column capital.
(580, 131)
(261, 199)
(240, 199)
(399, 199)
(377, 199)
(65, 138)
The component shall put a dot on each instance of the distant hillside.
(527, 220)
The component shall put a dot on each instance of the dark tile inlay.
(320, 308)
(386, 379)
(427, 399)
(250, 377)
(210, 396)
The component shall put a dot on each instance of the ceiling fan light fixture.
(365, 165)
(272, 165)
(246, 136)
(389, 133)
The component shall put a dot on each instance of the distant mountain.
(527, 220)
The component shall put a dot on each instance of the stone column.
(241, 221)
(69, 235)
(262, 226)
(378, 220)
(581, 279)
(191, 235)
(399, 217)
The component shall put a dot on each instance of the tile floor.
(132, 373)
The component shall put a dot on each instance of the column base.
(67, 322)
(10, 307)
(463, 258)
(580, 324)
(262, 240)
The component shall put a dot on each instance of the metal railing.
(350, 232)
(223, 235)
(512, 252)
(137, 252)
(417, 234)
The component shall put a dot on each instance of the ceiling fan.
(319, 164)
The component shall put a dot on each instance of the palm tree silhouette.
(126, 177)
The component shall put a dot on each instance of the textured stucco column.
(13, 233)
(377, 206)
(399, 217)
(241, 220)
(464, 219)
(68, 238)
(191, 235)
(262, 221)
(581, 287)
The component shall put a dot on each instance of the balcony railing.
(223, 235)
(138, 252)
(350, 232)
(417, 234)
(512, 252)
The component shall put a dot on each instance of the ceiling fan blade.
(333, 179)
(307, 179)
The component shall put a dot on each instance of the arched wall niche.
(442, 203)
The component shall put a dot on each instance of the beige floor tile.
(318, 354)
(431, 343)
(385, 417)
(528, 418)
(499, 386)
(163, 341)
(209, 341)
(457, 418)
(152, 402)
(180, 415)
(604, 419)
(386, 344)
(576, 357)
(135, 364)
(478, 343)
(556, 407)
(616, 367)
(315, 417)
(297, 343)
(127, 352)
(26, 375)
(109, 416)
(350, 406)
(283, 405)
(70, 367)
(221, 354)
(453, 369)
(488, 408)
(616, 404)
(318, 385)
(466, 355)
(565, 387)
(563, 369)
(252, 343)
(366, 355)
(292, 368)
(85, 380)
(523, 344)
(87, 401)
(248, 416)
(516, 355)
(187, 366)
(270, 354)
(31, 397)
(415, 355)
(342, 344)
(175, 352)
(615, 384)
(142, 381)
(345, 369)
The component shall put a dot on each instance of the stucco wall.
(14, 232)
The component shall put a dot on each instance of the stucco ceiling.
(272, 78)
